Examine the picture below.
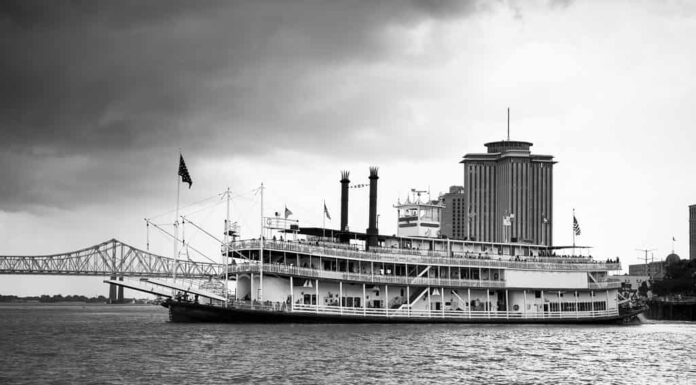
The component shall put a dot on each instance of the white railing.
(604, 285)
(449, 314)
(306, 272)
(442, 259)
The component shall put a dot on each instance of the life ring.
(516, 307)
(495, 276)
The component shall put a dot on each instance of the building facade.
(453, 216)
(692, 232)
(654, 270)
(508, 194)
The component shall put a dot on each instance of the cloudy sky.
(97, 98)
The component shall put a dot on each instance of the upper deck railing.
(305, 272)
(430, 257)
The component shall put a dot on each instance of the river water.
(103, 344)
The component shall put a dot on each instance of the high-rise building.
(508, 194)
(453, 223)
(692, 232)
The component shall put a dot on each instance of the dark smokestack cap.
(373, 172)
(344, 176)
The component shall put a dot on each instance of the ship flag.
(287, 212)
(183, 171)
(576, 226)
(326, 212)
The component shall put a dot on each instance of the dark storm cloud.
(93, 91)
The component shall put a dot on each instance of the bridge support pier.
(116, 292)
(120, 298)
(112, 291)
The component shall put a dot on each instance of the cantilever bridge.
(111, 258)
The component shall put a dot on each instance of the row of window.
(581, 306)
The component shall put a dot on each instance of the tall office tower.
(453, 220)
(692, 232)
(508, 194)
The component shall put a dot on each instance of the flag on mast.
(326, 212)
(183, 171)
(287, 212)
(576, 226)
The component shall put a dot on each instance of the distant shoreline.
(71, 303)
(69, 299)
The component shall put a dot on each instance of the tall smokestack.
(344, 200)
(372, 230)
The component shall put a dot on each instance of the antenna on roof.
(508, 124)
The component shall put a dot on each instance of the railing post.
(468, 298)
(316, 291)
(442, 301)
(577, 314)
(488, 302)
(430, 303)
(364, 302)
(507, 305)
(292, 293)
(524, 310)
(592, 302)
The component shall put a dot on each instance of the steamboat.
(317, 275)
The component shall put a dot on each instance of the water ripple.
(136, 345)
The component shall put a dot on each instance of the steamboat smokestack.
(344, 200)
(372, 230)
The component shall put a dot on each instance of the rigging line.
(186, 206)
(201, 229)
(179, 240)
(237, 195)
(205, 208)
(205, 220)
(159, 224)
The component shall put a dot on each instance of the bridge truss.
(110, 258)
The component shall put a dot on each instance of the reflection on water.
(136, 344)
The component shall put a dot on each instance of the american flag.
(576, 226)
(183, 171)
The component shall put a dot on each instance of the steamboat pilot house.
(317, 275)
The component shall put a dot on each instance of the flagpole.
(176, 221)
(323, 223)
(260, 294)
(673, 244)
(227, 247)
(573, 227)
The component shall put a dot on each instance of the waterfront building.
(655, 270)
(454, 217)
(508, 194)
(692, 232)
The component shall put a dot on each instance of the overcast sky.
(97, 98)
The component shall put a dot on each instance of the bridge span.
(111, 258)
